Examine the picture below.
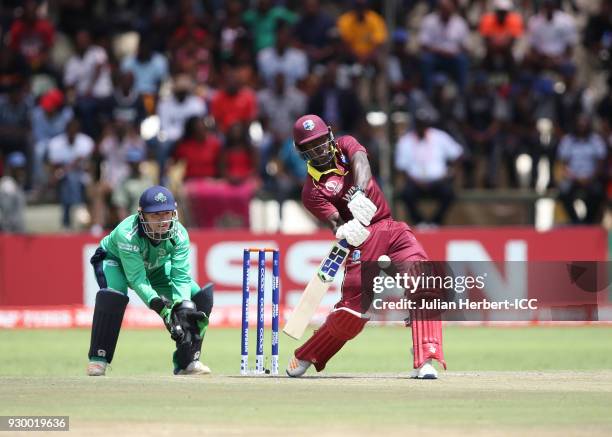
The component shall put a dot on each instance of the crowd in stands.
(101, 99)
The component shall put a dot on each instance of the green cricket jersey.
(141, 260)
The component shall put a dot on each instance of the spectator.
(583, 154)
(14, 71)
(126, 195)
(282, 58)
(521, 135)
(400, 68)
(422, 159)
(15, 123)
(598, 33)
(238, 161)
(500, 30)
(552, 35)
(149, 68)
(363, 31)
(232, 30)
(262, 22)
(570, 100)
(119, 140)
(478, 114)
(127, 105)
(199, 149)
(70, 154)
(88, 74)
(281, 105)
(604, 111)
(339, 107)
(443, 38)
(173, 112)
(194, 59)
(234, 103)
(32, 37)
(313, 31)
(12, 197)
(49, 119)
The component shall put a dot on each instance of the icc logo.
(333, 186)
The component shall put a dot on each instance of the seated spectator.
(193, 59)
(422, 160)
(234, 103)
(14, 71)
(569, 100)
(281, 104)
(87, 73)
(188, 30)
(500, 30)
(48, 119)
(149, 68)
(583, 156)
(119, 139)
(400, 68)
(173, 112)
(552, 35)
(126, 195)
(598, 33)
(127, 105)
(313, 31)
(12, 196)
(262, 21)
(70, 155)
(33, 37)
(443, 38)
(238, 160)
(15, 123)
(282, 58)
(232, 30)
(604, 112)
(520, 134)
(478, 114)
(363, 31)
(199, 149)
(340, 107)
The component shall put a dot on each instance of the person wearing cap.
(340, 191)
(500, 29)
(149, 253)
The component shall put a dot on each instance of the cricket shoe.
(194, 368)
(297, 368)
(96, 368)
(426, 371)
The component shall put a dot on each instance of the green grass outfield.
(535, 381)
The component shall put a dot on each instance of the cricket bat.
(315, 290)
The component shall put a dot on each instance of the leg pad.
(107, 318)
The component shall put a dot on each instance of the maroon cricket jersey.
(330, 193)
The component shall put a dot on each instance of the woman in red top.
(200, 149)
(238, 162)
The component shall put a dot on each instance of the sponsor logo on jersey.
(356, 257)
(333, 186)
(160, 197)
(308, 124)
(128, 247)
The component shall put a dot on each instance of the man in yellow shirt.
(363, 31)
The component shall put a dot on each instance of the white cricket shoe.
(297, 368)
(195, 368)
(426, 371)
(96, 368)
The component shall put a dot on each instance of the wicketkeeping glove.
(361, 207)
(354, 233)
(162, 307)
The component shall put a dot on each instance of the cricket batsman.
(341, 192)
(149, 252)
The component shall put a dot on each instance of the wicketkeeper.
(149, 252)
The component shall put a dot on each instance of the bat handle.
(343, 243)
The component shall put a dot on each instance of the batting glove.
(361, 207)
(354, 233)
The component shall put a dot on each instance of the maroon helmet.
(306, 131)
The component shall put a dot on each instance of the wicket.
(261, 277)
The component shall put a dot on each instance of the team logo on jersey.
(356, 257)
(160, 197)
(308, 124)
(161, 252)
(333, 186)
